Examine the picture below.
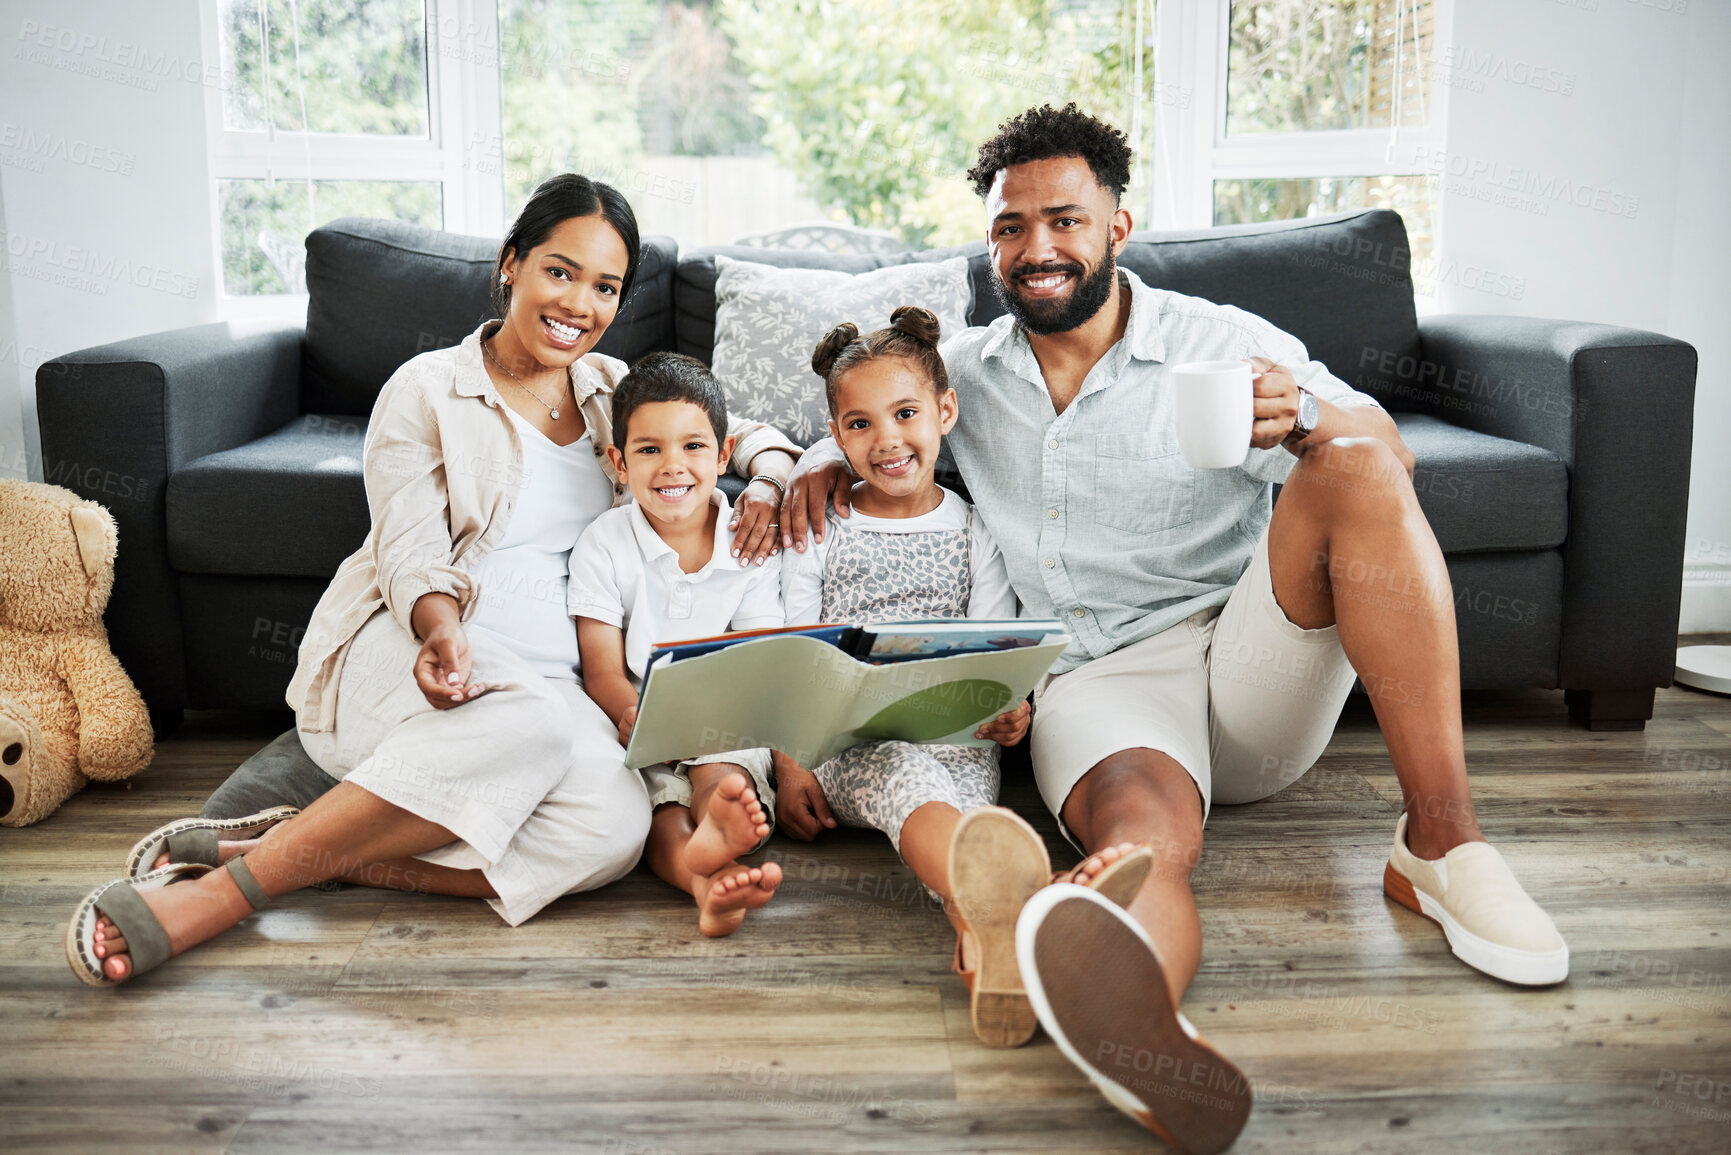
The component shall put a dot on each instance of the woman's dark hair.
(555, 201)
(913, 334)
(1045, 132)
(668, 377)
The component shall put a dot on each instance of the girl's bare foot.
(734, 823)
(1090, 867)
(724, 896)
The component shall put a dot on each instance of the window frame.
(1191, 144)
(463, 114)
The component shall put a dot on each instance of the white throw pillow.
(768, 320)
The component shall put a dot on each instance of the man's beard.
(1047, 315)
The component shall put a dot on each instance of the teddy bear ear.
(95, 538)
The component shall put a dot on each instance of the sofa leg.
(1610, 709)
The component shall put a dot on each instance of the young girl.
(913, 550)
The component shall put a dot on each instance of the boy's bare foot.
(734, 824)
(724, 896)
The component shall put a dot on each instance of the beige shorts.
(670, 782)
(1240, 697)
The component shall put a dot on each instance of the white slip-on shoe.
(1096, 983)
(1488, 918)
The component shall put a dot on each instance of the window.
(724, 118)
(721, 119)
(1301, 108)
(331, 108)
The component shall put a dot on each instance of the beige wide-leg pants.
(530, 776)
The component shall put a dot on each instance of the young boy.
(659, 570)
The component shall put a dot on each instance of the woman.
(437, 680)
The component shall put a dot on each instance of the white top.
(989, 597)
(522, 583)
(623, 574)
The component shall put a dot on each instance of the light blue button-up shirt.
(1101, 522)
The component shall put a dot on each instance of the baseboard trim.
(1706, 605)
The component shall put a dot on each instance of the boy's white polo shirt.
(623, 574)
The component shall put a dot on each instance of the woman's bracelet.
(782, 489)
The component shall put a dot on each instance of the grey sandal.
(193, 840)
(146, 942)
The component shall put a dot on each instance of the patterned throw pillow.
(768, 320)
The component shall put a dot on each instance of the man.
(1215, 640)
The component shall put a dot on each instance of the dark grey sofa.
(1553, 456)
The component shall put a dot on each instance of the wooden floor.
(363, 1020)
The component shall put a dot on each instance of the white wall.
(1701, 308)
(1624, 104)
(14, 461)
(104, 189)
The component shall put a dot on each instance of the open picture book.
(811, 692)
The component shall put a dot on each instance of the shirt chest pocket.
(1141, 483)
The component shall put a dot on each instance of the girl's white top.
(990, 596)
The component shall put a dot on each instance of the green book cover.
(809, 700)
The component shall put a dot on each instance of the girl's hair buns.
(912, 334)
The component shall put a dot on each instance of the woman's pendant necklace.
(552, 409)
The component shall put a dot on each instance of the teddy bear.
(68, 712)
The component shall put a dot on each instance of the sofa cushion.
(1341, 284)
(694, 281)
(769, 319)
(1484, 493)
(291, 503)
(383, 291)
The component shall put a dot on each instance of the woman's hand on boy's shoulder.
(1009, 728)
(800, 807)
(756, 523)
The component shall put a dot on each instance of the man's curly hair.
(1044, 132)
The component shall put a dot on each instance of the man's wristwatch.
(1309, 413)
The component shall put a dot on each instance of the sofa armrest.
(118, 419)
(1617, 405)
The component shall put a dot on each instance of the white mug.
(1215, 408)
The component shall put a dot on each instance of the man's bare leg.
(345, 827)
(1145, 797)
(1349, 546)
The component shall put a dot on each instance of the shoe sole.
(997, 862)
(1098, 988)
(1521, 967)
(156, 841)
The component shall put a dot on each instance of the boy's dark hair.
(1044, 132)
(555, 201)
(668, 377)
(913, 334)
